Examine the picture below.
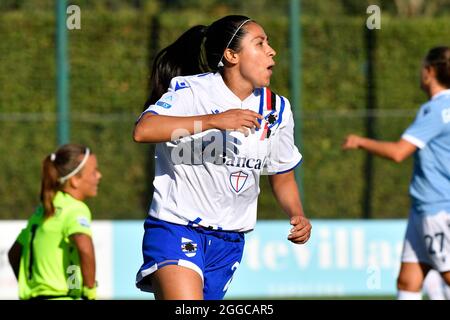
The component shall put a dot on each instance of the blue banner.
(342, 258)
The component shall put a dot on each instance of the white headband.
(77, 169)
(220, 64)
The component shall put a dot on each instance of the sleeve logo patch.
(166, 100)
(446, 115)
(163, 104)
(84, 222)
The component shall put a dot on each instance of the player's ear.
(231, 56)
(432, 72)
(74, 181)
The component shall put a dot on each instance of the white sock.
(409, 295)
(436, 293)
(433, 286)
(446, 291)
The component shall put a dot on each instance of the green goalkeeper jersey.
(50, 264)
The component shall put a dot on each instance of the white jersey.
(211, 178)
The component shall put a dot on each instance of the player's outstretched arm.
(285, 190)
(395, 151)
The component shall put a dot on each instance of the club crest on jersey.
(271, 107)
(272, 118)
(188, 247)
(237, 180)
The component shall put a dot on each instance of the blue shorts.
(214, 255)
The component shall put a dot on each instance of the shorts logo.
(237, 180)
(189, 247)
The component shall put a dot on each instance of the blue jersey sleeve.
(429, 123)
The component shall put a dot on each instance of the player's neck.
(75, 193)
(237, 84)
(435, 88)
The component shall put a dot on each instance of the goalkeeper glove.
(89, 293)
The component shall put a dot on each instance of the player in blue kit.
(215, 134)
(427, 240)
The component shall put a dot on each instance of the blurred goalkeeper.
(53, 257)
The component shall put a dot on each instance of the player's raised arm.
(155, 128)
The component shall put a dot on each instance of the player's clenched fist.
(301, 230)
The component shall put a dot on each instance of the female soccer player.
(53, 257)
(216, 133)
(427, 240)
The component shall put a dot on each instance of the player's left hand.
(301, 230)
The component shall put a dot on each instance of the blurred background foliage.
(110, 60)
(403, 8)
